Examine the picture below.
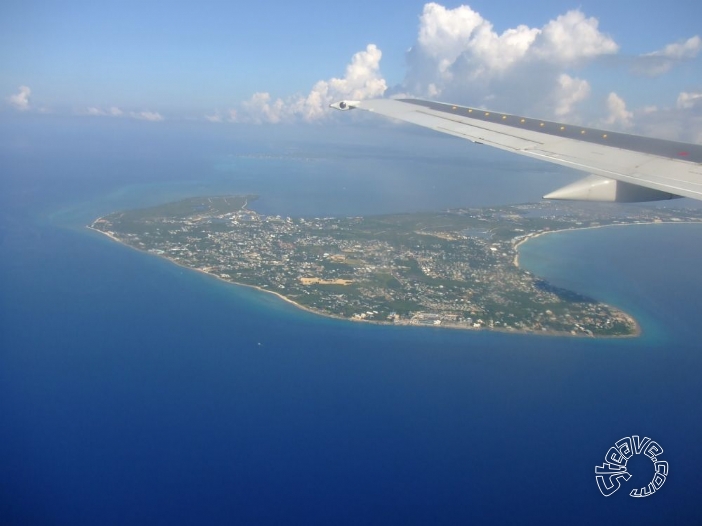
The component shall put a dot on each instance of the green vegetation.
(454, 268)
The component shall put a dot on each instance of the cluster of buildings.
(455, 268)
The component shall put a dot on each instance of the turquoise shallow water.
(134, 391)
(632, 267)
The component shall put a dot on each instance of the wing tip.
(344, 105)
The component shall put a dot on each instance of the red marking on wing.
(684, 154)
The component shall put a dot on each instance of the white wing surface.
(624, 167)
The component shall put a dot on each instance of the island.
(456, 268)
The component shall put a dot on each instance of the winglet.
(344, 105)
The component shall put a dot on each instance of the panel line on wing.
(659, 147)
(532, 143)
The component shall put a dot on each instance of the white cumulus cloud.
(618, 115)
(571, 38)
(458, 56)
(663, 60)
(362, 79)
(687, 100)
(260, 108)
(112, 111)
(146, 116)
(681, 122)
(215, 117)
(568, 93)
(20, 100)
(680, 50)
(458, 46)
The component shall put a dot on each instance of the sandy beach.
(530, 237)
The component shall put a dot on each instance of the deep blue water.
(133, 391)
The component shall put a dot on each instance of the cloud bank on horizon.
(459, 57)
(114, 111)
(20, 101)
(362, 80)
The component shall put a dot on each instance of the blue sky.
(188, 59)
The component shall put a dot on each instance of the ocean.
(133, 391)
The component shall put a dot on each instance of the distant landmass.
(456, 268)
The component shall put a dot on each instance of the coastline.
(530, 237)
(215, 276)
(636, 333)
(637, 328)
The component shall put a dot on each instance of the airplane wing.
(622, 167)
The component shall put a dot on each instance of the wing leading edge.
(623, 167)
